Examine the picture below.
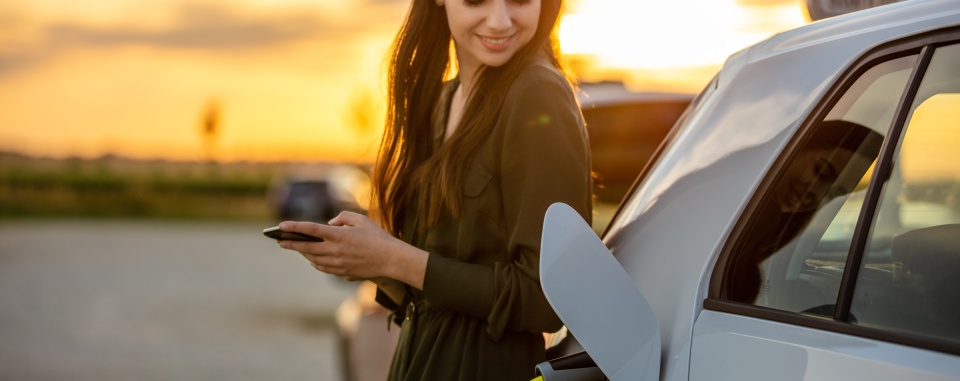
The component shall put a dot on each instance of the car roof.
(668, 234)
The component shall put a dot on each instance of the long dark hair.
(406, 164)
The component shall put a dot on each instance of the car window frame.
(923, 44)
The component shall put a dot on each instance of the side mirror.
(596, 299)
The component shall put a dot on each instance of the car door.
(846, 262)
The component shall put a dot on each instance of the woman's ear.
(439, 3)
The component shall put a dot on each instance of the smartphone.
(276, 233)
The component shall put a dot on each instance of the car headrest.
(928, 252)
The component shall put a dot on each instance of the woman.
(465, 173)
(830, 164)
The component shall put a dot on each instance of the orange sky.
(294, 79)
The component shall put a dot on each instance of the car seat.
(927, 260)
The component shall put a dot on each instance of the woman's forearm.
(407, 264)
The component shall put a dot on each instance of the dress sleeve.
(545, 159)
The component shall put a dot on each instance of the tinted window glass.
(794, 249)
(910, 276)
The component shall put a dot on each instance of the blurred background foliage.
(116, 187)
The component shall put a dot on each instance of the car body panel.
(733, 347)
(608, 315)
(670, 231)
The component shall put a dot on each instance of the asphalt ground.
(149, 300)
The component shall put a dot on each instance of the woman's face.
(809, 179)
(490, 32)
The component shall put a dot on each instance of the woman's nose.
(499, 16)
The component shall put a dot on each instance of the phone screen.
(276, 233)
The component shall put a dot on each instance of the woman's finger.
(336, 221)
(308, 228)
(347, 218)
(320, 268)
(303, 246)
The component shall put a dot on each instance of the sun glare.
(646, 34)
(296, 79)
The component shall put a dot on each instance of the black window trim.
(923, 44)
(880, 176)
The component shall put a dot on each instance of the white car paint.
(623, 338)
(668, 234)
(738, 348)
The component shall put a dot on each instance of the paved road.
(135, 300)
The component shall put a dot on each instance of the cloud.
(198, 27)
(207, 27)
(12, 61)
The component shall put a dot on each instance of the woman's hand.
(355, 248)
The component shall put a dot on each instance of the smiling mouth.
(495, 41)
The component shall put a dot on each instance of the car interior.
(909, 279)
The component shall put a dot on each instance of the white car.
(801, 222)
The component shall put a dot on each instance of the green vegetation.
(115, 187)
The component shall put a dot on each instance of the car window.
(909, 279)
(792, 254)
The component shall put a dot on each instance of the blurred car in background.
(319, 192)
(625, 129)
(821, 9)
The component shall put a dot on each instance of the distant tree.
(210, 128)
(363, 116)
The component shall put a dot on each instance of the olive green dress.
(482, 313)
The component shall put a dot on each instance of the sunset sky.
(295, 79)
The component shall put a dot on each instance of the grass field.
(117, 187)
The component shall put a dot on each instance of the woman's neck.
(467, 71)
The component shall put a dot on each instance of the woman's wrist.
(408, 265)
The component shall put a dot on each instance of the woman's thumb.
(342, 219)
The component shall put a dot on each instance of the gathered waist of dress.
(414, 303)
